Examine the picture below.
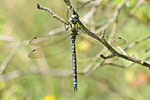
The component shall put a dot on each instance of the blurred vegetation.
(24, 79)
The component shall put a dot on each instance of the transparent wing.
(49, 46)
(120, 41)
(50, 51)
(84, 41)
(49, 39)
(88, 47)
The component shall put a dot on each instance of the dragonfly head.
(74, 19)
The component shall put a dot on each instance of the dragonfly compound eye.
(70, 19)
(77, 20)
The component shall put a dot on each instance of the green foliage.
(118, 1)
(1, 24)
(44, 79)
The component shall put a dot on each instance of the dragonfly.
(47, 41)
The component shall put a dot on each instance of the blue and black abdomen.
(74, 62)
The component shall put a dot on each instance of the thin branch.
(108, 56)
(103, 41)
(81, 6)
(7, 38)
(57, 31)
(98, 65)
(116, 65)
(136, 42)
(34, 70)
(134, 10)
(8, 58)
(53, 14)
(148, 49)
(131, 64)
(139, 3)
(114, 17)
(69, 5)
(86, 18)
(135, 60)
(113, 31)
(121, 50)
(91, 66)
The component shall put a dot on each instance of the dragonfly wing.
(91, 47)
(49, 51)
(49, 39)
(87, 45)
(118, 40)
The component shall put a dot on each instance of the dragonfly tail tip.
(75, 89)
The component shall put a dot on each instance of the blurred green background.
(24, 78)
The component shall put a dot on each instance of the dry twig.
(103, 41)
(9, 58)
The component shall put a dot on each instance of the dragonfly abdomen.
(74, 62)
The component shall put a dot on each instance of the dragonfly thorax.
(74, 19)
